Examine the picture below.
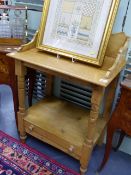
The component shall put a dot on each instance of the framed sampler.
(78, 29)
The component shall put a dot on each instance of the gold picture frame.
(77, 29)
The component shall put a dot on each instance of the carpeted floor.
(119, 162)
(17, 158)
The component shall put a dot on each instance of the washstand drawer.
(52, 139)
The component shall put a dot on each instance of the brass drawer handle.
(31, 127)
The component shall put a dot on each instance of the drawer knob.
(31, 127)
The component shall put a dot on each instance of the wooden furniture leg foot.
(23, 138)
(83, 170)
(110, 132)
(122, 135)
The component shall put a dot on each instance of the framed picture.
(78, 29)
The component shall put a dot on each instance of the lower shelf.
(61, 124)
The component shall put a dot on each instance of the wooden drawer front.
(51, 139)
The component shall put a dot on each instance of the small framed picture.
(78, 29)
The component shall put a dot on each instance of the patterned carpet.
(19, 159)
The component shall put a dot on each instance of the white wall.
(120, 16)
(34, 19)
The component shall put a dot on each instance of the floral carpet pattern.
(19, 159)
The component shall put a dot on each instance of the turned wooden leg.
(88, 145)
(122, 135)
(110, 133)
(20, 71)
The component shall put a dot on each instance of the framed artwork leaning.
(78, 29)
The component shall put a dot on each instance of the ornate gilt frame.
(87, 59)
